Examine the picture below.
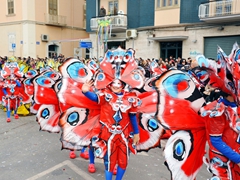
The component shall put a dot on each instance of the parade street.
(29, 154)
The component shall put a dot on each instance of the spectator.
(55, 57)
(171, 60)
(189, 60)
(28, 60)
(179, 59)
(162, 65)
(172, 64)
(102, 12)
(146, 67)
(182, 65)
(115, 11)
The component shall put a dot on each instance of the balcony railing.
(55, 20)
(118, 22)
(220, 11)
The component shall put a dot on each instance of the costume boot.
(84, 155)
(91, 168)
(120, 173)
(16, 116)
(108, 175)
(8, 116)
(72, 155)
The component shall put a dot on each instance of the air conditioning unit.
(131, 33)
(44, 37)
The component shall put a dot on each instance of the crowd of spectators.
(168, 63)
(33, 63)
(165, 64)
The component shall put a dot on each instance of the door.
(173, 49)
(225, 42)
(116, 44)
(52, 49)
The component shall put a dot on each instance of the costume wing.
(184, 152)
(150, 131)
(11, 68)
(44, 92)
(48, 118)
(130, 61)
(107, 64)
(135, 78)
(62, 106)
(31, 74)
(101, 80)
(34, 108)
(22, 93)
(93, 66)
(28, 87)
(179, 101)
(46, 104)
(74, 74)
(51, 74)
(208, 76)
(148, 102)
(155, 68)
(78, 125)
(148, 85)
(120, 64)
(6, 71)
(178, 104)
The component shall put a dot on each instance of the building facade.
(163, 28)
(39, 28)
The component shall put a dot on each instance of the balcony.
(118, 22)
(55, 20)
(220, 11)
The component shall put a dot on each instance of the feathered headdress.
(119, 64)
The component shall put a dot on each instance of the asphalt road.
(29, 154)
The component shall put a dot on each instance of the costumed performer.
(10, 99)
(117, 114)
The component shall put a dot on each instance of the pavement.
(29, 154)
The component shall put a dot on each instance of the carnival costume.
(12, 88)
(216, 122)
(167, 102)
(114, 117)
(82, 121)
(223, 125)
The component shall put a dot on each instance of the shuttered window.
(10, 6)
(53, 7)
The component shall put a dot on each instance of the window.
(166, 3)
(223, 7)
(10, 6)
(169, 2)
(113, 7)
(52, 7)
(219, 8)
(228, 7)
(158, 3)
